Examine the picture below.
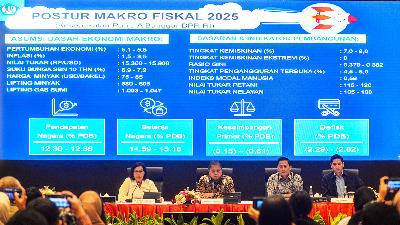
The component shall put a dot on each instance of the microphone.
(134, 191)
(130, 200)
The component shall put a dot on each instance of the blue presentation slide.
(199, 80)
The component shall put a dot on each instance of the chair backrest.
(350, 171)
(155, 174)
(269, 171)
(203, 171)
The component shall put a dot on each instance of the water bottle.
(345, 195)
(310, 192)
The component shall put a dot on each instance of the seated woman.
(136, 184)
(214, 185)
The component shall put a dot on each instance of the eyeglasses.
(138, 171)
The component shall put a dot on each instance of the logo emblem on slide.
(63, 107)
(8, 9)
(325, 18)
(242, 108)
(153, 107)
(329, 106)
(320, 18)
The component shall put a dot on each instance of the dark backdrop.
(107, 176)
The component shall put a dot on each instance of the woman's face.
(138, 173)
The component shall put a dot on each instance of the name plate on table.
(143, 201)
(342, 200)
(319, 199)
(212, 201)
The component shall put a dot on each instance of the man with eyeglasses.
(215, 184)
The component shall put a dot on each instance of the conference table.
(125, 209)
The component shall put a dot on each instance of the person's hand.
(287, 195)
(383, 188)
(76, 206)
(396, 201)
(20, 202)
(254, 213)
(206, 195)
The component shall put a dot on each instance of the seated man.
(215, 184)
(284, 182)
(337, 183)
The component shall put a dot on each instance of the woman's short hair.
(275, 210)
(301, 204)
(134, 167)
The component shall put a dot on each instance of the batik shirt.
(277, 185)
(217, 187)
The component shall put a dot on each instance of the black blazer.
(328, 184)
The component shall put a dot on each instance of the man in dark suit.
(339, 182)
